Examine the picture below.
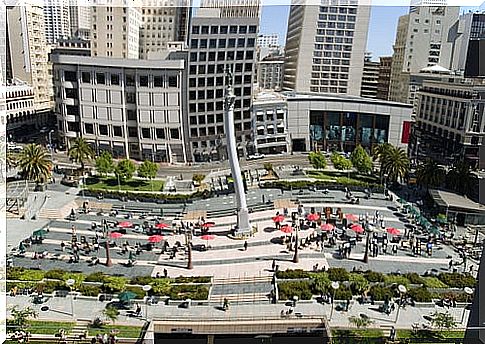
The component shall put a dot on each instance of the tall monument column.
(243, 226)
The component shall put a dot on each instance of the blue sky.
(382, 28)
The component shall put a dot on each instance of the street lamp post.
(146, 288)
(70, 282)
(188, 242)
(402, 291)
(367, 244)
(335, 285)
(295, 256)
(468, 291)
(50, 144)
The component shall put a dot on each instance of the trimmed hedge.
(421, 294)
(195, 279)
(292, 274)
(414, 278)
(373, 276)
(294, 288)
(149, 197)
(338, 274)
(457, 280)
(330, 184)
(380, 293)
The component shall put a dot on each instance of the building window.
(86, 77)
(158, 81)
(70, 76)
(144, 80)
(100, 79)
(214, 30)
(193, 120)
(130, 80)
(117, 131)
(252, 29)
(72, 110)
(71, 93)
(131, 114)
(195, 30)
(174, 134)
(88, 128)
(160, 133)
(115, 79)
(205, 30)
(103, 130)
(223, 29)
(172, 81)
(132, 132)
(145, 133)
(131, 98)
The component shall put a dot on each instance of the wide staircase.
(51, 213)
(241, 290)
(79, 329)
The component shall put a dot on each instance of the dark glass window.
(89, 128)
(117, 131)
(130, 80)
(160, 133)
(70, 75)
(115, 79)
(145, 133)
(86, 77)
(71, 93)
(158, 81)
(131, 98)
(144, 80)
(174, 133)
(103, 129)
(172, 81)
(132, 132)
(100, 79)
(233, 29)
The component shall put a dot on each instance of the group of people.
(21, 336)
(104, 339)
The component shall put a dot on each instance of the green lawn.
(124, 331)
(335, 175)
(130, 185)
(424, 334)
(367, 336)
(47, 327)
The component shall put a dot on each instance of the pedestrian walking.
(273, 265)
(225, 304)
(245, 246)
(165, 273)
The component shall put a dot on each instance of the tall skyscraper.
(216, 43)
(28, 52)
(162, 24)
(325, 46)
(422, 41)
(370, 78)
(235, 8)
(384, 79)
(56, 18)
(80, 18)
(115, 28)
(267, 41)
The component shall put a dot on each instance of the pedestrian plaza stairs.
(50, 213)
(241, 289)
(79, 328)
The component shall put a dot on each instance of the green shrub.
(396, 280)
(373, 276)
(14, 272)
(340, 162)
(457, 280)
(160, 286)
(414, 278)
(292, 274)
(49, 287)
(338, 274)
(55, 274)
(31, 275)
(343, 293)
(114, 284)
(192, 279)
(96, 277)
(358, 283)
(294, 288)
(89, 290)
(380, 293)
(433, 282)
(420, 294)
(320, 283)
(141, 280)
(189, 291)
(20, 285)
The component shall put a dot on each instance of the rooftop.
(117, 62)
(452, 200)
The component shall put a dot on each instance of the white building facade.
(268, 40)
(57, 23)
(21, 116)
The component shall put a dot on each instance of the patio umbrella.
(313, 217)
(286, 229)
(327, 227)
(208, 224)
(161, 225)
(115, 235)
(278, 218)
(155, 238)
(393, 231)
(40, 233)
(126, 296)
(207, 237)
(351, 217)
(357, 228)
(125, 224)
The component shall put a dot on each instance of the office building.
(270, 123)
(267, 41)
(20, 112)
(450, 120)
(162, 24)
(469, 44)
(72, 46)
(422, 41)
(384, 79)
(235, 8)
(80, 18)
(217, 43)
(3, 44)
(339, 122)
(115, 29)
(56, 19)
(325, 46)
(270, 72)
(370, 78)
(131, 108)
(27, 58)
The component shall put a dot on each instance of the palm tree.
(10, 160)
(81, 151)
(395, 163)
(430, 173)
(34, 163)
(459, 178)
(379, 152)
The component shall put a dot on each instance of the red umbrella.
(313, 217)
(115, 235)
(208, 225)
(357, 228)
(327, 227)
(351, 217)
(278, 218)
(161, 225)
(207, 237)
(155, 238)
(393, 231)
(286, 229)
(125, 224)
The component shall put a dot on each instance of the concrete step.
(240, 297)
(242, 280)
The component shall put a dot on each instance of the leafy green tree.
(395, 163)
(34, 163)
(105, 164)
(459, 178)
(442, 321)
(360, 322)
(81, 152)
(340, 162)
(198, 178)
(430, 173)
(321, 284)
(361, 160)
(21, 317)
(268, 166)
(317, 159)
(147, 169)
(161, 286)
(111, 313)
(125, 169)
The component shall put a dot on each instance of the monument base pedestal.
(243, 225)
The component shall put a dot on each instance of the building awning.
(279, 111)
(270, 126)
(455, 202)
(259, 113)
(269, 112)
(260, 127)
